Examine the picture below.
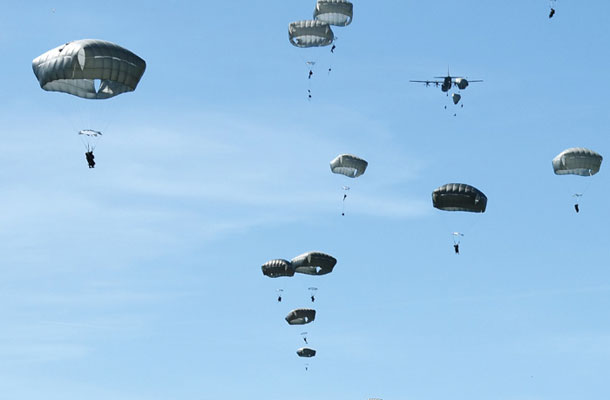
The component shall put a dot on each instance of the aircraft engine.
(461, 83)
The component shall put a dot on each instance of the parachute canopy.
(456, 98)
(314, 263)
(277, 268)
(459, 197)
(334, 12)
(301, 316)
(577, 161)
(348, 165)
(74, 67)
(306, 352)
(90, 132)
(310, 34)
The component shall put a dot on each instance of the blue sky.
(141, 279)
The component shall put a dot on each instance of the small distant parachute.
(577, 161)
(90, 133)
(89, 138)
(277, 268)
(314, 263)
(301, 316)
(334, 12)
(76, 67)
(459, 197)
(306, 352)
(310, 33)
(456, 98)
(348, 165)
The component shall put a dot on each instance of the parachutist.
(279, 299)
(456, 247)
(576, 208)
(89, 155)
(310, 74)
(332, 49)
(344, 197)
(305, 339)
(552, 13)
(313, 299)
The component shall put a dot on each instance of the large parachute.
(348, 165)
(306, 352)
(277, 268)
(314, 263)
(459, 197)
(310, 33)
(76, 67)
(301, 316)
(577, 161)
(334, 12)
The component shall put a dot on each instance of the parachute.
(314, 263)
(89, 137)
(456, 98)
(301, 316)
(577, 161)
(306, 352)
(334, 12)
(310, 34)
(76, 67)
(277, 268)
(459, 197)
(348, 165)
(90, 133)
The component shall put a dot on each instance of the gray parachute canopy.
(306, 352)
(314, 263)
(310, 34)
(90, 133)
(577, 161)
(459, 197)
(277, 268)
(301, 316)
(334, 12)
(348, 165)
(74, 67)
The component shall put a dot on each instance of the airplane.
(448, 82)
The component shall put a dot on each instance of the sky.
(141, 279)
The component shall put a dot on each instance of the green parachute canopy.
(76, 67)
(310, 34)
(301, 316)
(314, 263)
(577, 161)
(334, 12)
(306, 352)
(277, 268)
(348, 165)
(459, 197)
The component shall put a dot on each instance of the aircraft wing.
(428, 82)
